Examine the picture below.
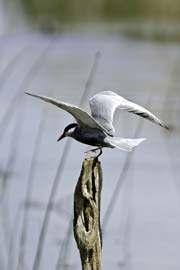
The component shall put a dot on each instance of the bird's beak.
(61, 137)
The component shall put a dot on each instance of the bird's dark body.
(90, 136)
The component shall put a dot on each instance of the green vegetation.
(80, 10)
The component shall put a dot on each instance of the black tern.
(97, 129)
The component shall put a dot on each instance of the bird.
(96, 129)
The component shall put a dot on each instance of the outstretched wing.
(81, 116)
(104, 104)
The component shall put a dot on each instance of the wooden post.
(87, 231)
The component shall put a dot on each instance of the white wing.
(81, 116)
(104, 104)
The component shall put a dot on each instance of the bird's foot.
(94, 150)
(100, 152)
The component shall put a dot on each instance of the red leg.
(94, 150)
(100, 153)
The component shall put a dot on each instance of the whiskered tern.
(97, 129)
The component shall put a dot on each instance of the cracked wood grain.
(87, 231)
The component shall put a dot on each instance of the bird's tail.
(125, 144)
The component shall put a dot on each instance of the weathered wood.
(87, 231)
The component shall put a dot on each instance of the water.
(143, 228)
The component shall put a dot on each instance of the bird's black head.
(68, 131)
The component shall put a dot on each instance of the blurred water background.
(71, 50)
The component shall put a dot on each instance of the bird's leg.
(94, 150)
(100, 153)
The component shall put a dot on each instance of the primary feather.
(104, 104)
(81, 116)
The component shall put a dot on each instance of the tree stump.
(86, 225)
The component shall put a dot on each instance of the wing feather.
(81, 116)
(104, 104)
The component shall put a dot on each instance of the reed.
(58, 176)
